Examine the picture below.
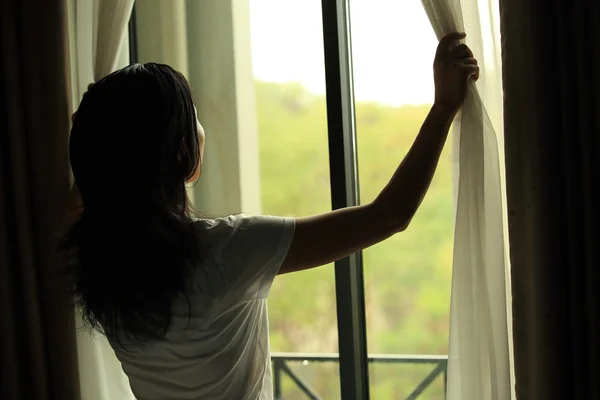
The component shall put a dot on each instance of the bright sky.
(393, 46)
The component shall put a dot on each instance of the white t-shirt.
(222, 351)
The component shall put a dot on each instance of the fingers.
(471, 71)
(469, 61)
(447, 41)
(458, 55)
(461, 51)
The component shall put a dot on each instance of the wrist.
(444, 110)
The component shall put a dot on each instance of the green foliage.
(407, 277)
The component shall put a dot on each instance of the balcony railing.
(280, 367)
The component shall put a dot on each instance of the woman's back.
(217, 348)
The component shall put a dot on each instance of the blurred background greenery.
(407, 277)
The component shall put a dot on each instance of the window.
(294, 181)
(407, 277)
(294, 129)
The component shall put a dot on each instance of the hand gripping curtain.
(100, 373)
(478, 359)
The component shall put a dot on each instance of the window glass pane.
(288, 62)
(408, 277)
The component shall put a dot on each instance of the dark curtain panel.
(552, 124)
(37, 338)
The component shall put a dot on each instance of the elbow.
(403, 224)
(402, 219)
(398, 210)
(395, 220)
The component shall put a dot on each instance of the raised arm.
(328, 237)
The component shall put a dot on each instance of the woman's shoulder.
(215, 224)
(242, 221)
(241, 228)
(216, 231)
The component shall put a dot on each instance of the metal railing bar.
(445, 378)
(277, 390)
(379, 358)
(280, 366)
(426, 382)
(303, 386)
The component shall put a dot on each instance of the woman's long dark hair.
(133, 144)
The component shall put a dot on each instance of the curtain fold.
(478, 360)
(100, 28)
(37, 337)
(111, 19)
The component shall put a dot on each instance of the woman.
(182, 299)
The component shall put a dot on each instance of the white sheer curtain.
(479, 357)
(110, 22)
(98, 37)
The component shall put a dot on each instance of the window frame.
(343, 167)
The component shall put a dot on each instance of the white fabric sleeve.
(251, 251)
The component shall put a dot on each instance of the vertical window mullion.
(343, 165)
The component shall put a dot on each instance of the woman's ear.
(194, 177)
